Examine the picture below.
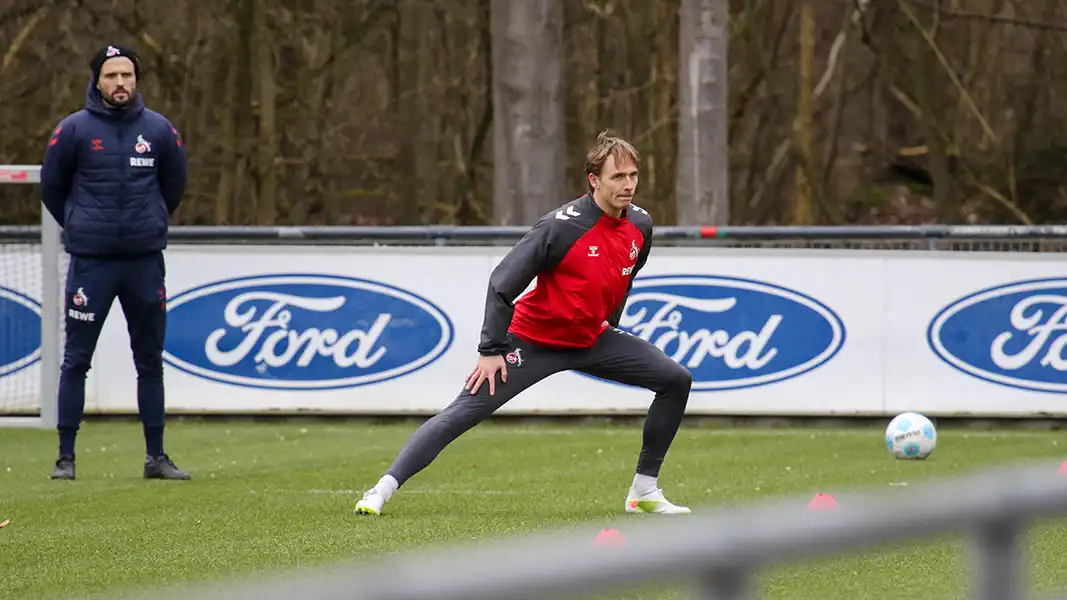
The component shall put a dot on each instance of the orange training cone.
(609, 537)
(822, 502)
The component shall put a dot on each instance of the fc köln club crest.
(143, 145)
(514, 357)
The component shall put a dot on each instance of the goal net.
(32, 273)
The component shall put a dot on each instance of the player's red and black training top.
(585, 262)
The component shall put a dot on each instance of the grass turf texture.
(269, 496)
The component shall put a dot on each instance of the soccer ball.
(910, 436)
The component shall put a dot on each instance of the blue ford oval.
(20, 320)
(1013, 335)
(303, 332)
(733, 333)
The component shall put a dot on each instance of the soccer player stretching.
(585, 256)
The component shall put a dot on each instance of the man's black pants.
(616, 356)
(93, 284)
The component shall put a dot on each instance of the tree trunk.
(703, 167)
(802, 124)
(267, 144)
(528, 136)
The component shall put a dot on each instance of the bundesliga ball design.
(910, 436)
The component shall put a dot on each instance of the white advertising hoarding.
(978, 335)
(255, 329)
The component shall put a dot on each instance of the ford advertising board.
(303, 332)
(730, 332)
(1013, 334)
(394, 330)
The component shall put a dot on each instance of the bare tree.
(529, 143)
(266, 172)
(385, 112)
(702, 195)
(804, 121)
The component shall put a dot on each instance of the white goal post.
(47, 290)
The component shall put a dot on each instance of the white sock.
(644, 483)
(386, 486)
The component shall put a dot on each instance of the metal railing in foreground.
(718, 553)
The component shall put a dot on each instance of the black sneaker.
(162, 467)
(64, 468)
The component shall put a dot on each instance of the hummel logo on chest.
(593, 250)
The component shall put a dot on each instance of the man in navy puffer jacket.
(112, 175)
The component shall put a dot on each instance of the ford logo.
(732, 333)
(20, 320)
(1013, 335)
(303, 332)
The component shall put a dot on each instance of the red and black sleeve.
(540, 250)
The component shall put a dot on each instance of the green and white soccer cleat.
(652, 502)
(371, 504)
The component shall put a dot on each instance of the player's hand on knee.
(486, 370)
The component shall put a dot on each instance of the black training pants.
(93, 285)
(616, 356)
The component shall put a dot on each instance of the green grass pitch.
(269, 496)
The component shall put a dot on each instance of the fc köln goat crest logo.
(633, 250)
(143, 145)
(79, 298)
(514, 357)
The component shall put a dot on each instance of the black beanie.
(112, 51)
